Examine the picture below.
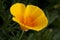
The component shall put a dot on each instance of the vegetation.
(9, 30)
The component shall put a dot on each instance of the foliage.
(10, 30)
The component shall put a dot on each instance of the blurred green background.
(10, 30)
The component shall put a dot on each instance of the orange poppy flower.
(29, 17)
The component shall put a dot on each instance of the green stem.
(21, 35)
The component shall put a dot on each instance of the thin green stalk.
(30, 37)
(21, 35)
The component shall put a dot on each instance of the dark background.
(10, 30)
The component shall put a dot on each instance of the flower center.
(29, 21)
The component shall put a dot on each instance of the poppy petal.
(16, 20)
(41, 23)
(17, 9)
(21, 26)
(31, 13)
